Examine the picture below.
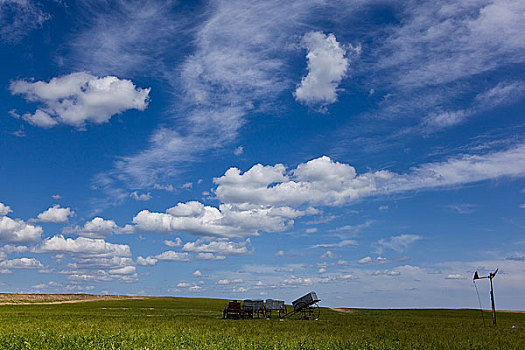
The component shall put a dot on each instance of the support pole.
(492, 300)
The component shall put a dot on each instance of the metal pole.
(492, 300)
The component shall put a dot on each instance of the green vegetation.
(179, 323)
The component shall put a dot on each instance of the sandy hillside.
(10, 299)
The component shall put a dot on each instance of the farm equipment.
(274, 305)
(253, 308)
(306, 307)
(233, 310)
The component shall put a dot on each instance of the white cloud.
(170, 255)
(379, 260)
(99, 228)
(83, 247)
(4, 209)
(522, 206)
(187, 186)
(502, 94)
(238, 151)
(454, 277)
(55, 214)
(56, 196)
(49, 285)
(194, 288)
(329, 255)
(343, 243)
(140, 196)
(297, 281)
(79, 288)
(440, 42)
(226, 221)
(78, 98)
(168, 188)
(197, 273)
(237, 67)
(323, 181)
(18, 231)
(386, 273)
(21, 263)
(327, 66)
(221, 247)
(147, 261)
(13, 249)
(462, 208)
(18, 18)
(398, 243)
(175, 243)
(311, 230)
(210, 256)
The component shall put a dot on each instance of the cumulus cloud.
(83, 246)
(297, 281)
(221, 247)
(379, 260)
(454, 277)
(78, 98)
(18, 231)
(170, 255)
(386, 273)
(99, 228)
(4, 209)
(327, 66)
(210, 256)
(148, 261)
(329, 255)
(175, 243)
(21, 263)
(324, 181)
(226, 221)
(55, 214)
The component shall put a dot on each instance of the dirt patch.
(512, 311)
(348, 311)
(39, 299)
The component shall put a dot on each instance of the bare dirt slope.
(25, 299)
(349, 311)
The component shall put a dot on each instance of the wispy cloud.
(19, 17)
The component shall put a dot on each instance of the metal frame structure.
(490, 277)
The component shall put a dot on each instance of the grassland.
(179, 323)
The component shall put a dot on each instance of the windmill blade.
(476, 276)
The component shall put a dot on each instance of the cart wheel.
(316, 312)
(282, 313)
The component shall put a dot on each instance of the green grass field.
(180, 323)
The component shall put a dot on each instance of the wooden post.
(492, 300)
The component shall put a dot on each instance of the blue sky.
(367, 150)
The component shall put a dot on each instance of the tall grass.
(179, 323)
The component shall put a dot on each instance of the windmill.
(490, 277)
